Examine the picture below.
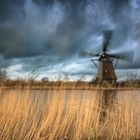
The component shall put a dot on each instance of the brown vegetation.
(72, 115)
(23, 84)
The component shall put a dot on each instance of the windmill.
(106, 67)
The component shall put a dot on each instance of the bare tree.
(45, 79)
(132, 77)
(3, 74)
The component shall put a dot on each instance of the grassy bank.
(79, 85)
(62, 115)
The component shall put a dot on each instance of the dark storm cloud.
(10, 9)
(19, 37)
(41, 33)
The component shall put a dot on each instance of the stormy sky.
(47, 35)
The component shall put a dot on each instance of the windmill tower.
(106, 67)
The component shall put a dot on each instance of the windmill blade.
(93, 60)
(127, 56)
(107, 38)
(88, 54)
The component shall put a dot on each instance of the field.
(69, 115)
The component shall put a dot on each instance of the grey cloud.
(44, 33)
(10, 9)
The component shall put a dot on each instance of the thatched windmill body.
(106, 70)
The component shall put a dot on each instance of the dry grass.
(72, 115)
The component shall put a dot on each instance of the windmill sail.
(107, 38)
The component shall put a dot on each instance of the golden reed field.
(69, 115)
